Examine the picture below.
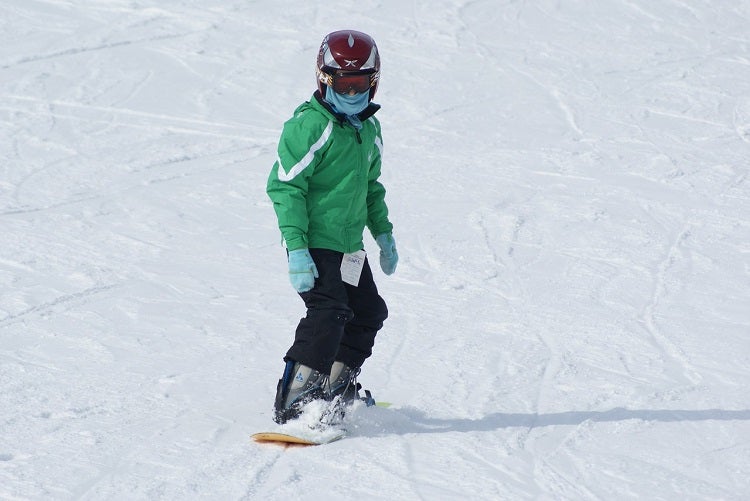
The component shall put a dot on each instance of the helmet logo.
(351, 62)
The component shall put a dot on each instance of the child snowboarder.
(325, 190)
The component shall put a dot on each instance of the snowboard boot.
(299, 385)
(345, 386)
(344, 382)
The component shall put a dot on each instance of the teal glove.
(388, 254)
(302, 270)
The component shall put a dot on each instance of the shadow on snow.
(410, 420)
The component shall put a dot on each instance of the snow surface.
(569, 185)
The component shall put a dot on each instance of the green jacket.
(324, 184)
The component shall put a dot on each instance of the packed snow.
(570, 318)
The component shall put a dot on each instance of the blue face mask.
(346, 104)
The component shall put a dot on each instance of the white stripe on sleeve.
(307, 159)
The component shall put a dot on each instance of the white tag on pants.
(351, 267)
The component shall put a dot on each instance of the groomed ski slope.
(569, 187)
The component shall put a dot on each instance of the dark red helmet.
(348, 61)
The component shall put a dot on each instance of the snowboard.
(291, 440)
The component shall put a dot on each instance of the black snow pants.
(342, 320)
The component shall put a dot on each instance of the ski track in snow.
(569, 188)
